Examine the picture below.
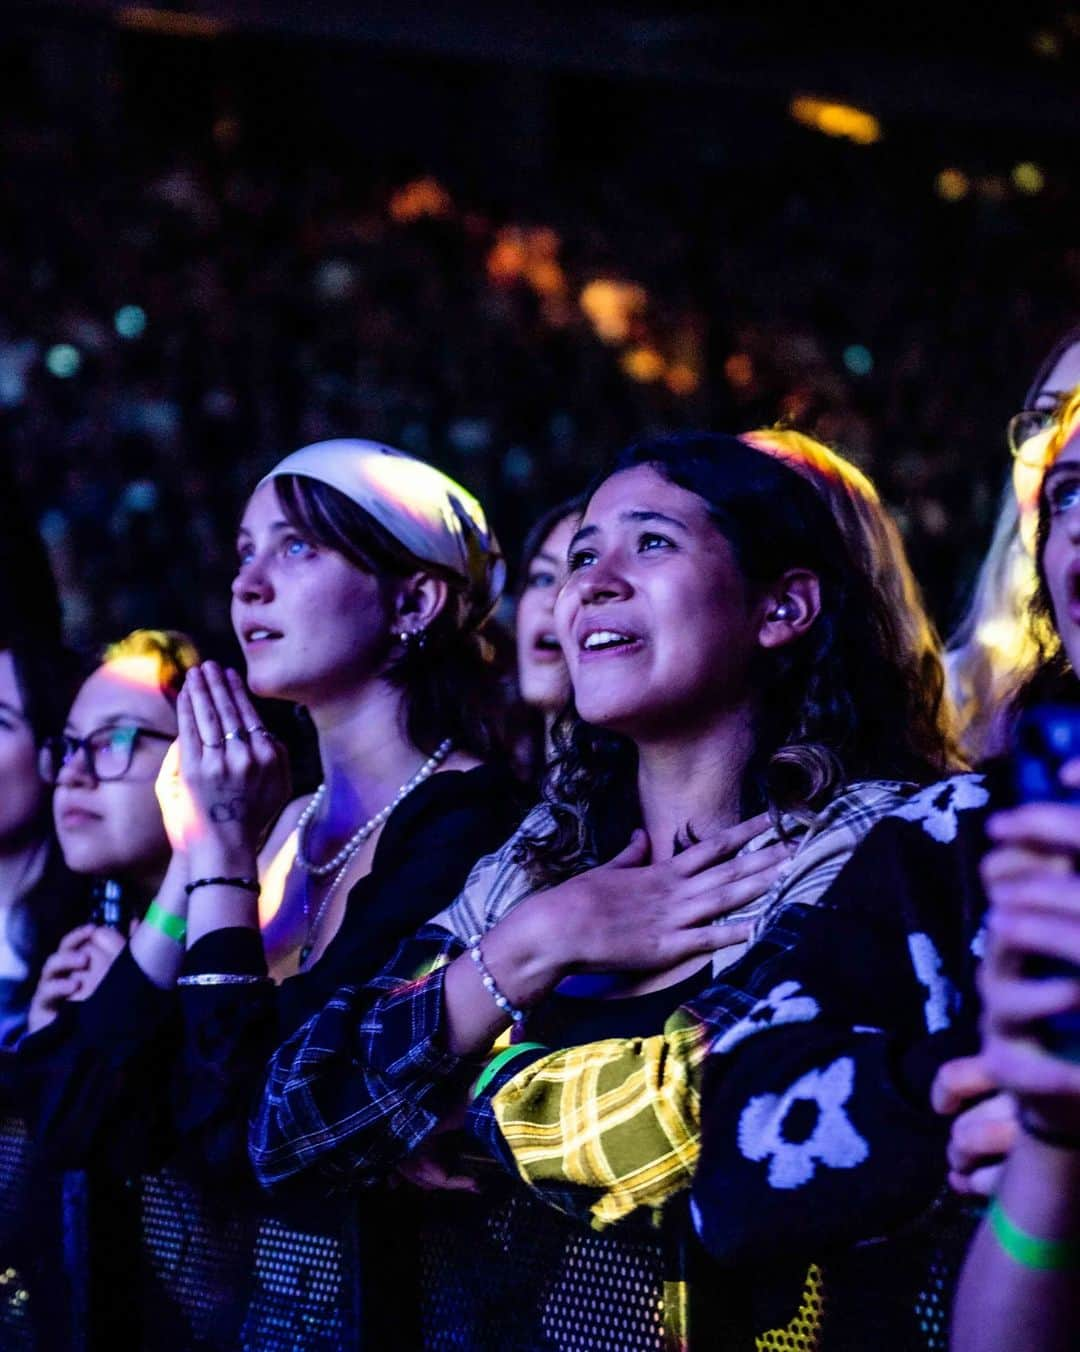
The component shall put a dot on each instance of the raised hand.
(1032, 968)
(233, 774)
(73, 972)
(985, 1128)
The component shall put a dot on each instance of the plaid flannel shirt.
(366, 1079)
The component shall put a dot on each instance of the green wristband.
(172, 926)
(1040, 1255)
(497, 1062)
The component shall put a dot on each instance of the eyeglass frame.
(1040, 419)
(73, 745)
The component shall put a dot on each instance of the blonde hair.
(173, 651)
(1001, 642)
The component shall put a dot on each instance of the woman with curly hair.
(740, 720)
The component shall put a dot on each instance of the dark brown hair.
(833, 706)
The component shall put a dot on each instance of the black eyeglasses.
(109, 751)
(1024, 426)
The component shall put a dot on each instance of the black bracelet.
(244, 884)
(1064, 1140)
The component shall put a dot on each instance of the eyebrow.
(121, 720)
(639, 514)
(275, 527)
(542, 554)
(1062, 467)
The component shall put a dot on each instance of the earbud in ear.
(784, 611)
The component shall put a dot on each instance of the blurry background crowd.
(510, 241)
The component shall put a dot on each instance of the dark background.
(236, 172)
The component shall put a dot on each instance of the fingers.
(960, 1082)
(107, 941)
(983, 1135)
(62, 964)
(1020, 927)
(1041, 826)
(425, 1172)
(1012, 861)
(722, 846)
(982, 1182)
(191, 744)
(731, 885)
(1028, 1069)
(245, 710)
(635, 852)
(75, 938)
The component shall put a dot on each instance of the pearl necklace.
(343, 859)
(372, 824)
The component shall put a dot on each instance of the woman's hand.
(232, 776)
(985, 1128)
(74, 971)
(1034, 917)
(633, 915)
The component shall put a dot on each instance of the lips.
(255, 634)
(596, 639)
(72, 818)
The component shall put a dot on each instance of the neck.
(693, 782)
(21, 862)
(365, 753)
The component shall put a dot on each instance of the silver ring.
(233, 732)
(213, 745)
(259, 728)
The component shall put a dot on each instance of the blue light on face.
(130, 321)
(63, 361)
(859, 360)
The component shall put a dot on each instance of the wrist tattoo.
(230, 811)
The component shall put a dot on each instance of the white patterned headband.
(433, 517)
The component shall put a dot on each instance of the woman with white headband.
(364, 582)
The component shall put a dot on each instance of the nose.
(603, 580)
(76, 771)
(251, 584)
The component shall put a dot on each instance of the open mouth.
(606, 640)
(546, 643)
(260, 635)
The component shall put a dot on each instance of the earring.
(411, 639)
(784, 611)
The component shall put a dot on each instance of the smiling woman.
(738, 724)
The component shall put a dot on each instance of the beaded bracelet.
(1064, 1140)
(518, 1015)
(244, 884)
(1038, 1255)
(172, 926)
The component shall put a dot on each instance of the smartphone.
(1046, 737)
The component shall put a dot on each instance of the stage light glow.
(952, 185)
(858, 359)
(612, 307)
(836, 119)
(739, 370)
(63, 361)
(130, 321)
(643, 364)
(422, 197)
(1028, 178)
(682, 379)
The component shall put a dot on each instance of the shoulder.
(943, 809)
(283, 827)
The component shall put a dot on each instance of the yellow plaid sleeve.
(620, 1116)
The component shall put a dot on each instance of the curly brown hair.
(835, 706)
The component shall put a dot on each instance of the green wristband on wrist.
(497, 1062)
(172, 926)
(1040, 1255)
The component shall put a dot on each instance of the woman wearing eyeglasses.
(108, 822)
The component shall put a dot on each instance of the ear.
(789, 608)
(420, 598)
